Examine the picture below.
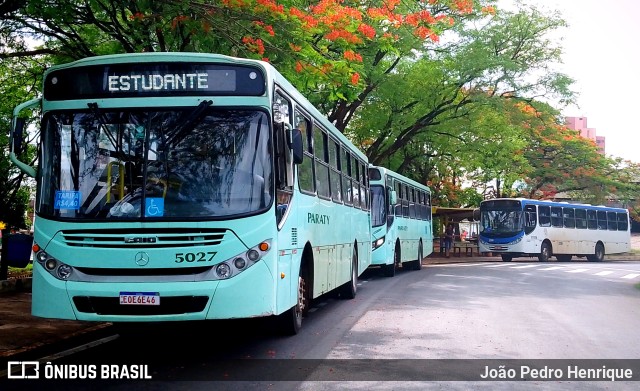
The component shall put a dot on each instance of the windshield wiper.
(189, 123)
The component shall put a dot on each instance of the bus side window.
(530, 218)
(612, 221)
(623, 222)
(544, 216)
(592, 219)
(305, 170)
(568, 216)
(602, 219)
(556, 216)
(581, 218)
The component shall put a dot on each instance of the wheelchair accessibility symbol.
(154, 207)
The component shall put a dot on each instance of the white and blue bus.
(401, 228)
(184, 186)
(518, 227)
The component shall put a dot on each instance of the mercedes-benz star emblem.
(142, 259)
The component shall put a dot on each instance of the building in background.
(580, 124)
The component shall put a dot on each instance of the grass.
(21, 271)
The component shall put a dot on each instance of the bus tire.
(349, 288)
(545, 252)
(390, 270)
(564, 257)
(418, 263)
(506, 257)
(598, 255)
(290, 321)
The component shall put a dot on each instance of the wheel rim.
(302, 305)
(545, 252)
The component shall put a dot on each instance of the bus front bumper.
(249, 294)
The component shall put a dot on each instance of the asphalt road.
(489, 311)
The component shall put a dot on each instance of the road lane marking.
(576, 271)
(603, 273)
(499, 265)
(553, 268)
(631, 276)
(524, 266)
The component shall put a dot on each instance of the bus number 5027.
(195, 257)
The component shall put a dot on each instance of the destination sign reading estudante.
(146, 79)
(168, 82)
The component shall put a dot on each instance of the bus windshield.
(505, 222)
(192, 162)
(378, 206)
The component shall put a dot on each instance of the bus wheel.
(506, 258)
(418, 263)
(564, 257)
(290, 321)
(545, 252)
(390, 270)
(349, 288)
(598, 256)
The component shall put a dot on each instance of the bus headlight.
(223, 270)
(241, 262)
(53, 266)
(64, 271)
(516, 241)
(377, 243)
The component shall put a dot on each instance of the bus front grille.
(143, 238)
(173, 305)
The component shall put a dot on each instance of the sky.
(602, 55)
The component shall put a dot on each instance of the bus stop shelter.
(467, 219)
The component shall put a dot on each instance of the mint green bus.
(401, 228)
(185, 186)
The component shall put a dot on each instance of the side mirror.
(394, 197)
(16, 137)
(297, 146)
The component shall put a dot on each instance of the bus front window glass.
(501, 222)
(126, 165)
(378, 206)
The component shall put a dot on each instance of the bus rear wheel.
(598, 255)
(349, 288)
(417, 265)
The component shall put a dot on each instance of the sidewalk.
(21, 332)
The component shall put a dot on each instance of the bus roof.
(558, 203)
(386, 171)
